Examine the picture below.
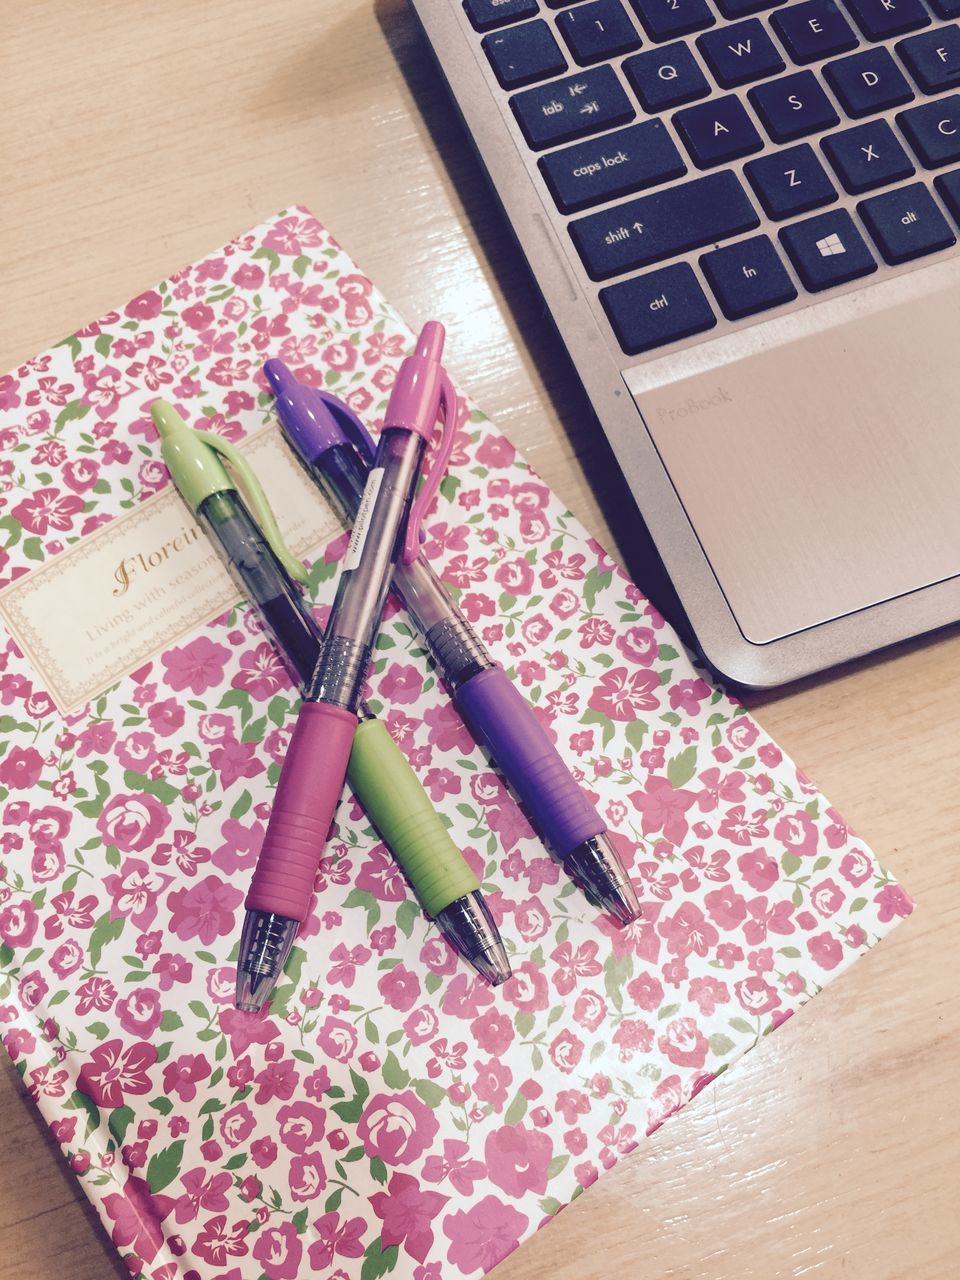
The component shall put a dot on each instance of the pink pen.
(386, 530)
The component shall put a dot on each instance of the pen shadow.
(507, 272)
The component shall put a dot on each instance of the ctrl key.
(660, 307)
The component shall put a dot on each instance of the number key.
(665, 19)
(600, 29)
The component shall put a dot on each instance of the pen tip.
(430, 342)
(166, 419)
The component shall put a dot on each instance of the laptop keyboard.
(665, 127)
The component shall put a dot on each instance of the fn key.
(660, 307)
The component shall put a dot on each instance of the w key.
(662, 224)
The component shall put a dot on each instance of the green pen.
(379, 774)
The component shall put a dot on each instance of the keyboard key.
(717, 131)
(793, 107)
(880, 19)
(933, 59)
(617, 164)
(520, 55)
(813, 30)
(571, 108)
(662, 224)
(734, 9)
(867, 157)
(868, 82)
(666, 77)
(948, 184)
(487, 14)
(946, 8)
(666, 19)
(933, 130)
(738, 54)
(827, 250)
(906, 223)
(790, 181)
(661, 307)
(600, 29)
(748, 277)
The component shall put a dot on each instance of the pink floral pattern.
(388, 1114)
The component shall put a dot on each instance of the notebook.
(389, 1114)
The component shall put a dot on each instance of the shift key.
(572, 107)
(663, 224)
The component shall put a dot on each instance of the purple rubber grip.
(303, 809)
(501, 718)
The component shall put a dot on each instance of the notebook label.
(138, 585)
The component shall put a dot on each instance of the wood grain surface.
(138, 137)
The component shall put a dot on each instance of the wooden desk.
(136, 140)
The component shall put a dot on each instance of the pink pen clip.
(434, 471)
(422, 395)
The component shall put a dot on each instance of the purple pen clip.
(314, 420)
(351, 426)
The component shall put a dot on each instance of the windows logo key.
(830, 245)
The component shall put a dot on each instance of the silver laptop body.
(799, 470)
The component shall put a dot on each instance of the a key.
(906, 223)
(880, 19)
(867, 157)
(666, 77)
(868, 82)
(790, 181)
(946, 8)
(717, 131)
(948, 184)
(933, 59)
(813, 30)
(827, 250)
(658, 308)
(666, 19)
(748, 277)
(600, 29)
(618, 164)
(933, 130)
(487, 14)
(662, 224)
(793, 107)
(571, 108)
(520, 55)
(738, 54)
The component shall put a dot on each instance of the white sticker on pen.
(359, 536)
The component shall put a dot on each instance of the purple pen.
(334, 446)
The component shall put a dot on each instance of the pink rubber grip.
(307, 794)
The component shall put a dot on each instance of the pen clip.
(452, 412)
(349, 424)
(251, 488)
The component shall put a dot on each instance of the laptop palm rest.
(822, 474)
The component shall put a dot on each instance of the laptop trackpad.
(822, 476)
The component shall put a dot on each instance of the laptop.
(743, 217)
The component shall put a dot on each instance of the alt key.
(660, 307)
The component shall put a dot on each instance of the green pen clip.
(193, 459)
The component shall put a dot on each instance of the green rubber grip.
(401, 811)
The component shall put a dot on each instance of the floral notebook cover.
(389, 1114)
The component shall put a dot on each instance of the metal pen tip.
(264, 949)
(470, 929)
(596, 867)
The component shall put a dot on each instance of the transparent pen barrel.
(367, 570)
(263, 581)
